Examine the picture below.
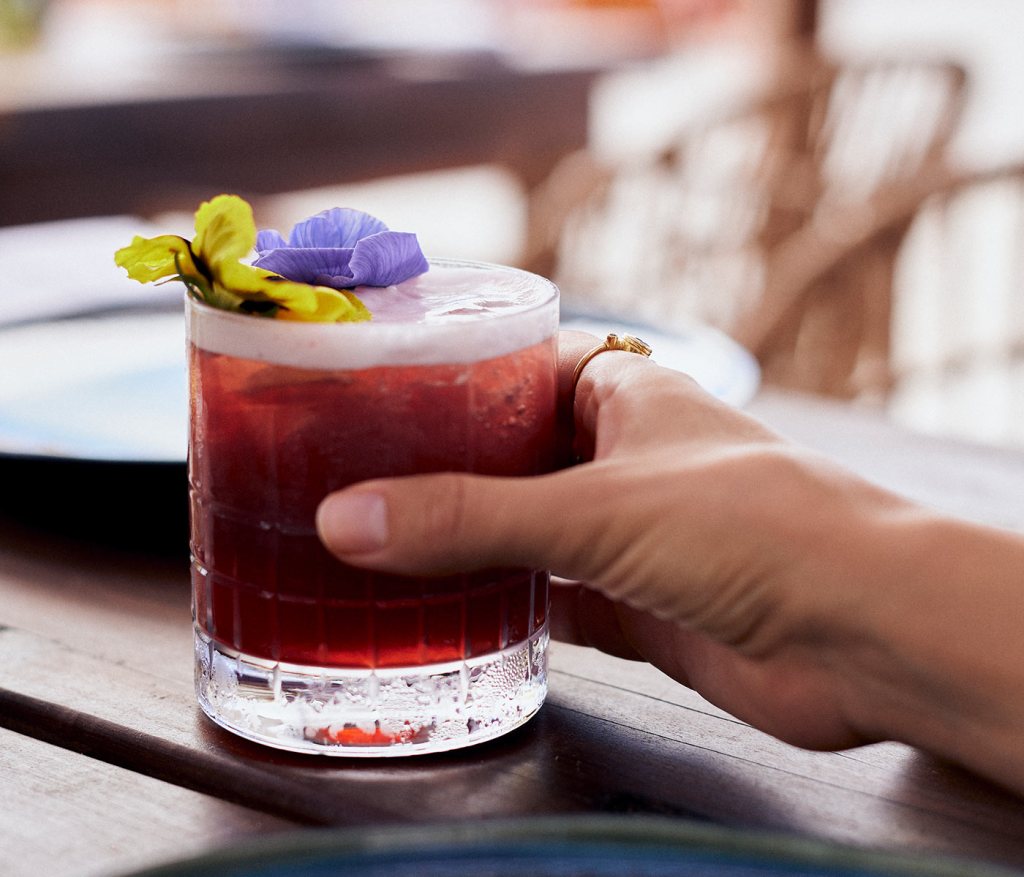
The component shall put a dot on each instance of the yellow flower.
(211, 267)
(148, 259)
(332, 306)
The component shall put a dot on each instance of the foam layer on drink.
(456, 312)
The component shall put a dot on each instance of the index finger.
(572, 347)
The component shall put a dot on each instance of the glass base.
(383, 712)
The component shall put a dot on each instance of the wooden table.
(108, 765)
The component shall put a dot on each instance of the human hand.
(674, 525)
(790, 593)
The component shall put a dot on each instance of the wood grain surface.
(96, 668)
(65, 815)
(614, 737)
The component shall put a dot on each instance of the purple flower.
(341, 248)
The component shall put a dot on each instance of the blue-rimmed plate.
(583, 846)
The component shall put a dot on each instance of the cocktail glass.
(456, 372)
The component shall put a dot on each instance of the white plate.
(114, 387)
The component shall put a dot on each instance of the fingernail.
(353, 523)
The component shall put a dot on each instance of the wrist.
(929, 649)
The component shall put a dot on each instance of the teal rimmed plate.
(574, 846)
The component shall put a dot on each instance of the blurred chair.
(956, 361)
(715, 227)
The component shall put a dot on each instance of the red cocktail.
(455, 373)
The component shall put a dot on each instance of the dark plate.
(121, 504)
(93, 421)
(92, 428)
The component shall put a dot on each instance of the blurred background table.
(258, 121)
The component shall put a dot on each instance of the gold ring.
(629, 343)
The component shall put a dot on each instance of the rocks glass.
(294, 649)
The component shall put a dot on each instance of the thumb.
(447, 523)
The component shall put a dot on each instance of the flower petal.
(387, 258)
(269, 239)
(337, 227)
(326, 266)
(225, 229)
(253, 283)
(332, 307)
(148, 259)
